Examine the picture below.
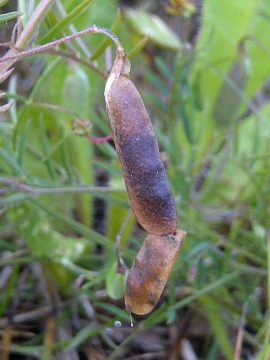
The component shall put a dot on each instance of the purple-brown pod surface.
(150, 271)
(137, 148)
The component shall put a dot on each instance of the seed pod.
(137, 148)
(150, 271)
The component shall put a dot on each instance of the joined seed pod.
(150, 271)
(144, 174)
(137, 148)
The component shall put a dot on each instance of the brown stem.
(76, 58)
(26, 34)
(99, 139)
(240, 334)
(10, 58)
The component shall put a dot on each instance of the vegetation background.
(202, 69)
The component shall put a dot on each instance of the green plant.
(215, 140)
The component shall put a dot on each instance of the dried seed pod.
(150, 271)
(137, 148)
(144, 174)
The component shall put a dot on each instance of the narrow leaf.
(155, 28)
(10, 16)
(106, 40)
(61, 25)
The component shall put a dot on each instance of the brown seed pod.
(137, 148)
(150, 271)
(144, 174)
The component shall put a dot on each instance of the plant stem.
(94, 29)
(26, 34)
(43, 190)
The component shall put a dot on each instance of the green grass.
(63, 200)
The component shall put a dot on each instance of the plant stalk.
(27, 33)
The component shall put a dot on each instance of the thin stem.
(121, 267)
(99, 140)
(240, 334)
(93, 29)
(73, 30)
(76, 58)
(40, 190)
(26, 34)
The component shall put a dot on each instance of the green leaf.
(61, 25)
(14, 199)
(34, 227)
(75, 225)
(171, 316)
(104, 44)
(230, 96)
(8, 295)
(257, 47)
(9, 16)
(3, 2)
(138, 47)
(186, 119)
(117, 214)
(46, 148)
(224, 25)
(10, 161)
(115, 310)
(47, 245)
(22, 143)
(42, 78)
(115, 282)
(76, 92)
(214, 314)
(154, 28)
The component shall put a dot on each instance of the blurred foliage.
(63, 199)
